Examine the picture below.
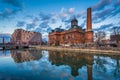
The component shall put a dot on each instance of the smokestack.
(89, 20)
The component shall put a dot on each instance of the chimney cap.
(89, 8)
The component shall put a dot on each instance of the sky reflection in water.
(49, 65)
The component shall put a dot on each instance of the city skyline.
(45, 15)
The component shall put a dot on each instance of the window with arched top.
(72, 36)
(63, 38)
(68, 37)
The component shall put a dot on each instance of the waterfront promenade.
(76, 49)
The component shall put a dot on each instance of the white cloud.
(71, 10)
(101, 4)
(81, 13)
(62, 10)
(63, 15)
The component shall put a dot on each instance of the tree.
(115, 36)
(99, 35)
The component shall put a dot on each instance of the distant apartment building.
(75, 35)
(5, 38)
(21, 36)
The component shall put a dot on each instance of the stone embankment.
(74, 49)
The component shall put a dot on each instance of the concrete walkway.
(77, 50)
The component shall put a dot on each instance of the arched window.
(72, 36)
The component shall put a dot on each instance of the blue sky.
(44, 15)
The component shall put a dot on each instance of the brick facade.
(75, 35)
(21, 36)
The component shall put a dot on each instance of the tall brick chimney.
(89, 32)
(89, 20)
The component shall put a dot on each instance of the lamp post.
(3, 40)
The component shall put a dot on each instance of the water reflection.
(26, 55)
(53, 65)
(4, 53)
(75, 61)
(108, 66)
(97, 67)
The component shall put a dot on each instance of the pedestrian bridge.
(12, 46)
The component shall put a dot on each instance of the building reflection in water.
(95, 67)
(4, 53)
(25, 55)
(74, 60)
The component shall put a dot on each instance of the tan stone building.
(21, 37)
(75, 35)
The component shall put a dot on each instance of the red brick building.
(21, 36)
(75, 35)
